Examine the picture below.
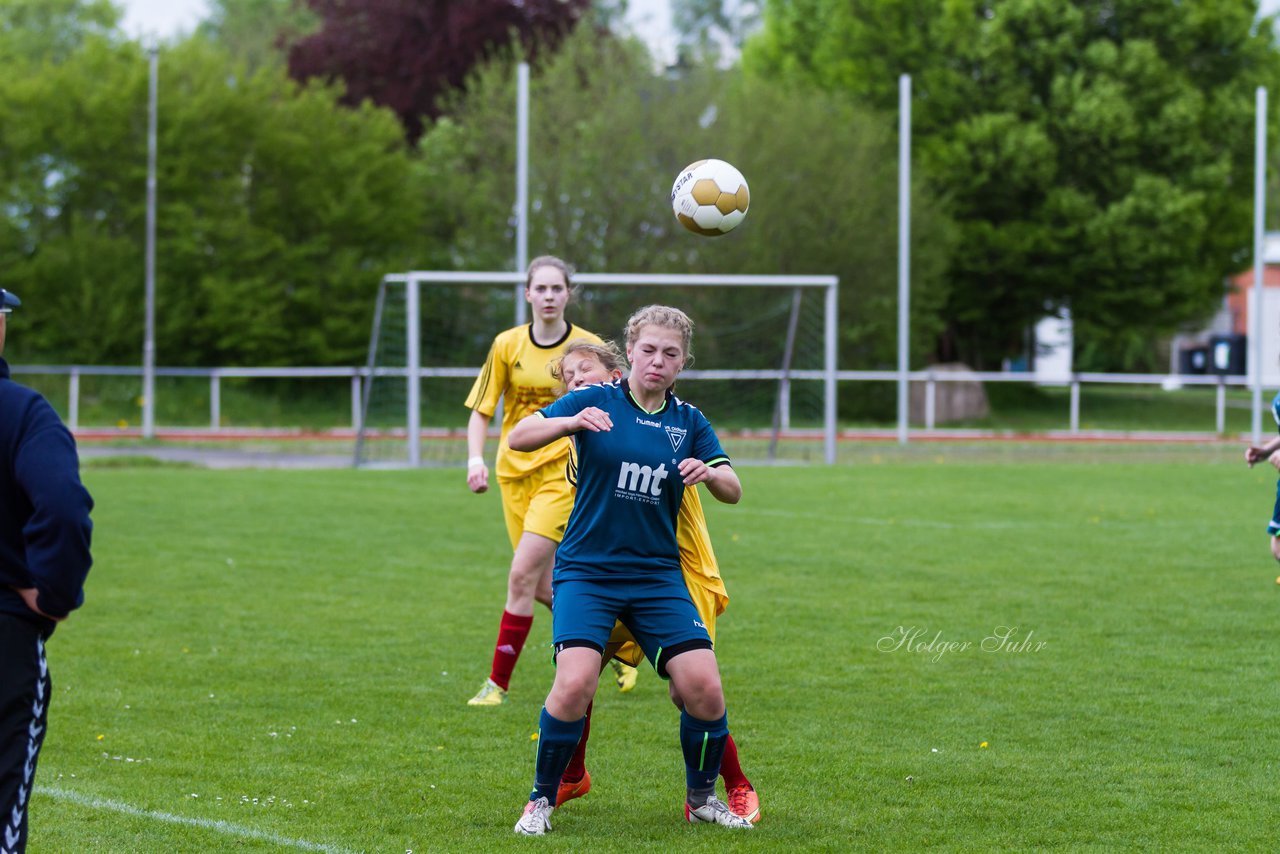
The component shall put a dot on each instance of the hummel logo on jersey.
(641, 481)
(676, 435)
(517, 365)
(644, 423)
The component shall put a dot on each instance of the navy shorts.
(1273, 528)
(657, 610)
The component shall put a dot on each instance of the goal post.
(764, 366)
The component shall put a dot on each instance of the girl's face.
(656, 357)
(581, 368)
(547, 293)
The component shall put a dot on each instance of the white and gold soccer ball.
(710, 197)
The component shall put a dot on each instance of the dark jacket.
(44, 509)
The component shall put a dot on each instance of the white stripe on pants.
(14, 815)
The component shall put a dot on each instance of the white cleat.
(537, 818)
(715, 811)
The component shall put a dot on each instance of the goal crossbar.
(414, 371)
(455, 277)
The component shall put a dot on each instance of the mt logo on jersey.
(642, 482)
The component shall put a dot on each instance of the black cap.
(9, 300)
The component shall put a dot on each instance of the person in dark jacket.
(44, 558)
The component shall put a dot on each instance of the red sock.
(512, 633)
(730, 770)
(578, 764)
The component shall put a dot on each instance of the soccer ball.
(710, 197)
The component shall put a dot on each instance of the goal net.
(764, 367)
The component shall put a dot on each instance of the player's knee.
(1275, 548)
(708, 707)
(574, 691)
(529, 569)
(701, 697)
(524, 579)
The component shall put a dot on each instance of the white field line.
(218, 826)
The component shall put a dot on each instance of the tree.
(258, 32)
(273, 223)
(1095, 155)
(712, 27)
(406, 54)
(51, 30)
(609, 135)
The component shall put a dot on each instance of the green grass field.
(275, 661)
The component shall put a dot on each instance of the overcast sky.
(151, 18)
(651, 19)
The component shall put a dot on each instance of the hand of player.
(592, 418)
(28, 595)
(694, 470)
(1274, 459)
(1253, 455)
(478, 478)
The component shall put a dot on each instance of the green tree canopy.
(278, 210)
(258, 32)
(608, 136)
(1095, 155)
(36, 31)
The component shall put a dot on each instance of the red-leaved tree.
(404, 54)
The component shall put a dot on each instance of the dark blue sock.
(557, 740)
(703, 745)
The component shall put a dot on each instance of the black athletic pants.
(24, 712)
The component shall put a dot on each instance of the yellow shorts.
(708, 605)
(540, 503)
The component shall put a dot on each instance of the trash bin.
(1227, 355)
(1193, 360)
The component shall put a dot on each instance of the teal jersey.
(623, 523)
(1275, 410)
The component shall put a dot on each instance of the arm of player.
(58, 532)
(31, 595)
(722, 481)
(477, 471)
(1254, 454)
(536, 430)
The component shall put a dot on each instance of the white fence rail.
(357, 376)
(931, 379)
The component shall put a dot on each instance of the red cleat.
(744, 802)
(569, 791)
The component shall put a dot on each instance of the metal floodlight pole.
(149, 343)
(829, 408)
(1259, 249)
(522, 184)
(413, 369)
(904, 252)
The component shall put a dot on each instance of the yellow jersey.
(697, 559)
(518, 372)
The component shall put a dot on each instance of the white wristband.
(475, 461)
